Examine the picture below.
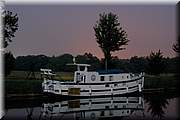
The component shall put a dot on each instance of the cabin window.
(122, 77)
(115, 106)
(127, 76)
(102, 113)
(115, 84)
(82, 77)
(78, 76)
(106, 107)
(110, 78)
(107, 85)
(56, 90)
(102, 78)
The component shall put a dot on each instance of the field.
(17, 83)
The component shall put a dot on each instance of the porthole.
(93, 77)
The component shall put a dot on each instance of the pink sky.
(59, 29)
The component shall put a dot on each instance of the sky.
(55, 29)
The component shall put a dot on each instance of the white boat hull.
(93, 89)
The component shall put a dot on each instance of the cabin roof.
(110, 71)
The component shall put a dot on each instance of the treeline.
(59, 63)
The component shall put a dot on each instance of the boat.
(94, 108)
(93, 83)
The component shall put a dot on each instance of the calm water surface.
(126, 108)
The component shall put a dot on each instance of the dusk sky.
(58, 29)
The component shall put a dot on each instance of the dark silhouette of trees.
(10, 27)
(176, 46)
(59, 63)
(31, 62)
(34, 63)
(9, 63)
(109, 35)
(137, 64)
(155, 63)
(89, 58)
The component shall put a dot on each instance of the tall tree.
(155, 63)
(9, 62)
(176, 46)
(109, 35)
(10, 27)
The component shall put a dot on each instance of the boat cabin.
(84, 76)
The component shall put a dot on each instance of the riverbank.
(18, 87)
(23, 75)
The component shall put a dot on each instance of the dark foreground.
(156, 105)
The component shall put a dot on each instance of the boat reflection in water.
(93, 108)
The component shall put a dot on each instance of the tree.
(109, 35)
(9, 63)
(10, 27)
(176, 46)
(137, 64)
(89, 58)
(155, 63)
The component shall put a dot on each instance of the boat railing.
(47, 73)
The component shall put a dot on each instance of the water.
(136, 107)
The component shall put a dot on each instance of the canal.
(147, 106)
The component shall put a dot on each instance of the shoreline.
(31, 96)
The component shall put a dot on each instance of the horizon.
(58, 29)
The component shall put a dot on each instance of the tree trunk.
(107, 56)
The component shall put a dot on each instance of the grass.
(16, 83)
(22, 75)
(163, 81)
(23, 86)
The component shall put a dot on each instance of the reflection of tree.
(29, 113)
(157, 103)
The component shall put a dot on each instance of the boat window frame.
(110, 78)
(102, 78)
(106, 85)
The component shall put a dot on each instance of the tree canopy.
(155, 63)
(59, 63)
(10, 27)
(109, 35)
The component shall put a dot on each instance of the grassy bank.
(22, 75)
(17, 83)
(163, 81)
